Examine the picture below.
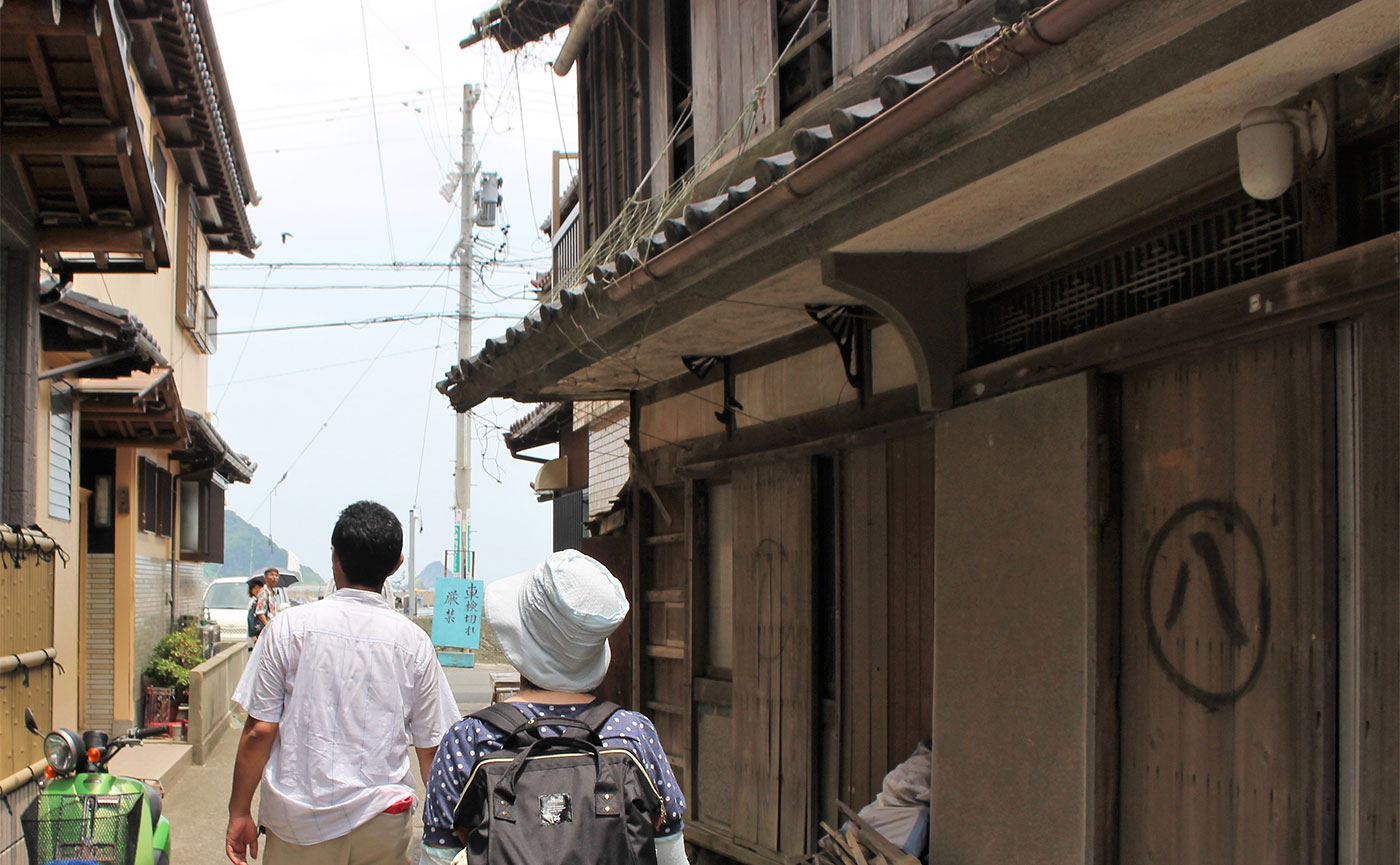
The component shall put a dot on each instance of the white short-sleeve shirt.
(351, 684)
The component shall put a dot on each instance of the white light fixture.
(1267, 141)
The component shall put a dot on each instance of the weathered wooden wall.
(887, 609)
(1229, 658)
(1378, 785)
(612, 134)
(858, 27)
(774, 697)
(733, 47)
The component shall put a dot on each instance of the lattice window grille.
(1238, 240)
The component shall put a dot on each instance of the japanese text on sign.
(457, 612)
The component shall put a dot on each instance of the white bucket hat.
(553, 622)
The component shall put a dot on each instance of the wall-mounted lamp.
(102, 502)
(1267, 141)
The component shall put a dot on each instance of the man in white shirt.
(277, 600)
(336, 692)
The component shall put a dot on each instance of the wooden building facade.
(994, 413)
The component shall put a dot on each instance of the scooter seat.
(153, 799)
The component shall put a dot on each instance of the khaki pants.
(383, 840)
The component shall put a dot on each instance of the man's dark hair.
(271, 571)
(368, 539)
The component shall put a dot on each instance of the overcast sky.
(343, 412)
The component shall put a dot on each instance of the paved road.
(197, 804)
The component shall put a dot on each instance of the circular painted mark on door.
(1207, 559)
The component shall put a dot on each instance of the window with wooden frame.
(805, 67)
(611, 118)
(679, 75)
(202, 519)
(157, 499)
(187, 257)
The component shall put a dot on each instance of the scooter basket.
(103, 829)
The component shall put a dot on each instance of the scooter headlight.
(61, 749)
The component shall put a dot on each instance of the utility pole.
(463, 476)
(412, 605)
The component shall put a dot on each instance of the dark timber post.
(924, 296)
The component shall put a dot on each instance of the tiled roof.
(540, 427)
(208, 449)
(513, 23)
(959, 67)
(184, 31)
(89, 318)
(806, 144)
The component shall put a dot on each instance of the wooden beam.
(888, 414)
(26, 183)
(75, 180)
(97, 54)
(924, 295)
(69, 141)
(827, 444)
(1324, 288)
(39, 61)
(92, 239)
(39, 16)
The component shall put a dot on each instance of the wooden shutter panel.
(214, 528)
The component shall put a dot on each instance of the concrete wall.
(211, 690)
(1013, 681)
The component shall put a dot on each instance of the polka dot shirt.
(470, 739)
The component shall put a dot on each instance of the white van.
(226, 604)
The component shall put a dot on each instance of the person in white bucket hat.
(553, 624)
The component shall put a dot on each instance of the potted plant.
(168, 675)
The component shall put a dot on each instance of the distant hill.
(427, 577)
(249, 551)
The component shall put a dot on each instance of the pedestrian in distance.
(620, 804)
(277, 599)
(337, 695)
(257, 620)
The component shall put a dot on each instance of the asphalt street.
(197, 804)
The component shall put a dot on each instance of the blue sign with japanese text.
(457, 612)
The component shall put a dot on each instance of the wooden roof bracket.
(923, 295)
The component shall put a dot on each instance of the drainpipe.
(579, 28)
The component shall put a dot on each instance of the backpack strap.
(503, 716)
(598, 713)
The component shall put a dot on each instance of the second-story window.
(805, 64)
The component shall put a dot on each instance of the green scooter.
(86, 816)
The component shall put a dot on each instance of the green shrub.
(175, 655)
(167, 673)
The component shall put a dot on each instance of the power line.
(378, 147)
(338, 265)
(384, 319)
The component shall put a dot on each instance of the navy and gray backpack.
(547, 799)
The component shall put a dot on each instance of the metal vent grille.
(1379, 198)
(1235, 241)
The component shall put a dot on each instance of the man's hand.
(241, 841)
(254, 747)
